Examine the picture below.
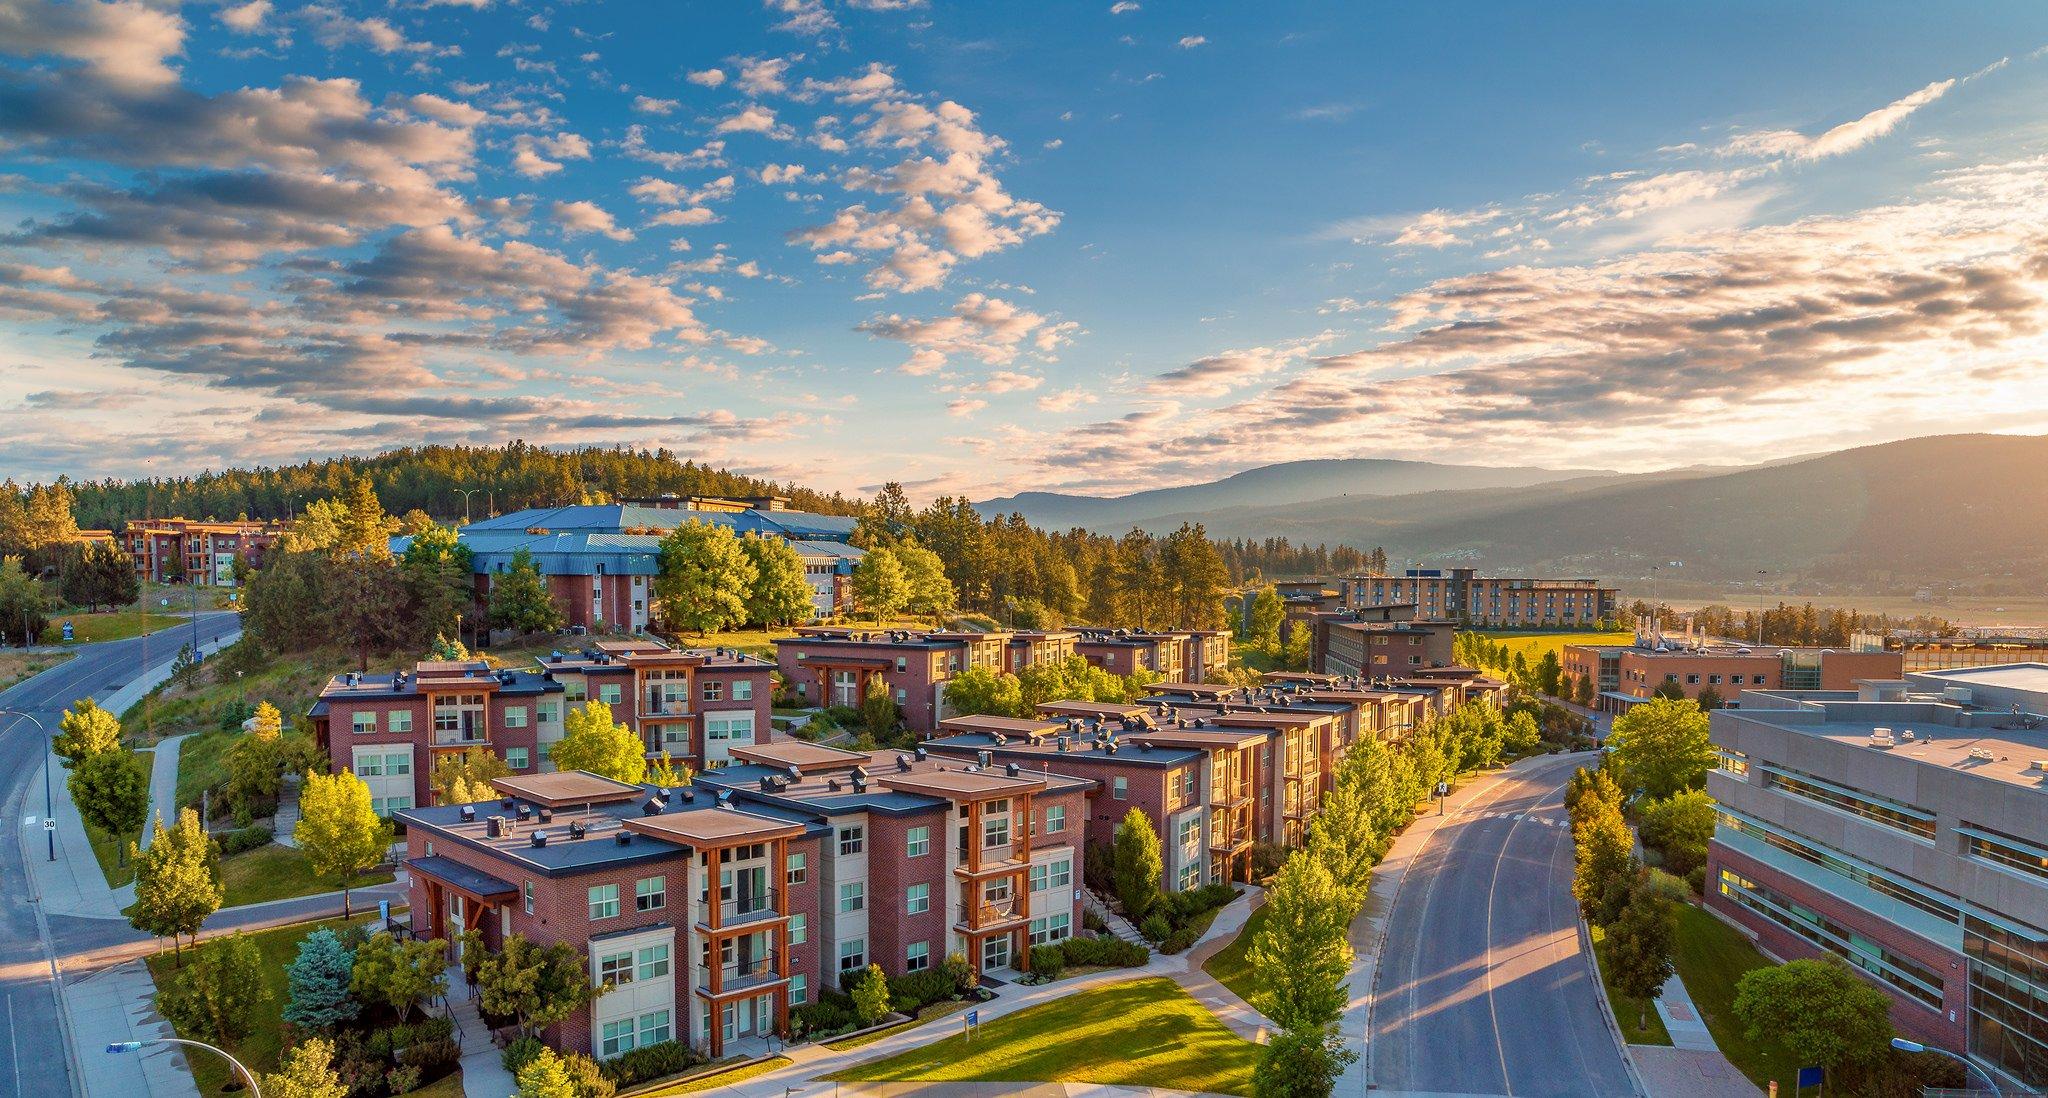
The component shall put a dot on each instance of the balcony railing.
(1230, 840)
(463, 736)
(753, 905)
(666, 707)
(986, 914)
(761, 968)
(1231, 794)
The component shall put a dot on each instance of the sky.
(983, 248)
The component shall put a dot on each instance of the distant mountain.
(1946, 507)
(1290, 482)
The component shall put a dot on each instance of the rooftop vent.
(689, 795)
(525, 812)
(919, 753)
(504, 802)
(1012, 770)
(724, 797)
(651, 808)
(663, 794)
(984, 758)
(1982, 754)
(903, 763)
(495, 827)
(577, 829)
(796, 773)
(832, 784)
(623, 837)
(767, 783)
(860, 781)
(468, 813)
(540, 838)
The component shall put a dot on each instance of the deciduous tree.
(398, 974)
(1137, 866)
(871, 995)
(881, 589)
(465, 778)
(216, 995)
(338, 831)
(537, 985)
(176, 885)
(1639, 945)
(930, 593)
(1301, 1063)
(308, 1073)
(780, 592)
(1818, 1010)
(592, 741)
(1263, 614)
(112, 794)
(1605, 861)
(705, 578)
(1678, 827)
(980, 690)
(86, 730)
(1302, 951)
(520, 599)
(1661, 748)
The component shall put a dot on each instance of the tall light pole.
(465, 493)
(120, 1047)
(1904, 1045)
(49, 802)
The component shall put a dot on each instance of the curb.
(1635, 1075)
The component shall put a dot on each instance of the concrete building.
(199, 552)
(600, 560)
(822, 861)
(1625, 675)
(1464, 596)
(1901, 826)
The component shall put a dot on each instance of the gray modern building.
(1902, 826)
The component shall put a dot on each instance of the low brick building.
(696, 704)
(1625, 675)
(201, 552)
(1375, 644)
(1192, 655)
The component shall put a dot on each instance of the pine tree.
(339, 833)
(176, 886)
(705, 578)
(1137, 866)
(593, 742)
(319, 982)
(520, 599)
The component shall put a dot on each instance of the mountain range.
(1964, 508)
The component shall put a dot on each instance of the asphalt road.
(31, 1044)
(1483, 988)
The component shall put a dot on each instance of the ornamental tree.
(705, 578)
(1302, 950)
(399, 974)
(1819, 1010)
(87, 730)
(1661, 748)
(112, 793)
(593, 742)
(339, 832)
(1136, 866)
(176, 886)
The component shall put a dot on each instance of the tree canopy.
(1661, 748)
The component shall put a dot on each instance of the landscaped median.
(1144, 1032)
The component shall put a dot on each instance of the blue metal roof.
(587, 538)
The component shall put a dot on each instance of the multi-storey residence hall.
(202, 552)
(1901, 825)
(1463, 595)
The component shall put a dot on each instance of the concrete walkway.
(1244, 1019)
(1693, 1064)
(115, 1005)
(163, 787)
(483, 1066)
(1682, 1018)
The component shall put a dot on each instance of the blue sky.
(980, 248)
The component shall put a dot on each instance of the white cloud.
(965, 406)
(246, 18)
(125, 44)
(708, 78)
(986, 328)
(1847, 137)
(1122, 6)
(1191, 41)
(1067, 400)
(775, 174)
(647, 104)
(753, 118)
(584, 216)
(765, 75)
(335, 30)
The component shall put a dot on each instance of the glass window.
(1056, 819)
(799, 989)
(995, 824)
(364, 723)
(618, 1037)
(853, 896)
(743, 690)
(1120, 788)
(515, 716)
(609, 693)
(616, 968)
(797, 870)
(650, 893)
(526, 896)
(516, 758)
(714, 690)
(548, 712)
(1062, 873)
(653, 1027)
(853, 954)
(604, 901)
(653, 962)
(918, 842)
(1999, 848)
(799, 929)
(1038, 878)
(1902, 817)
(852, 840)
(917, 957)
(917, 899)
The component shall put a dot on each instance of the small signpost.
(1443, 789)
(1810, 1076)
(971, 1022)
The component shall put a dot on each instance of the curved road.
(30, 1041)
(1483, 988)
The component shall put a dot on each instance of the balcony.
(1233, 796)
(744, 974)
(468, 730)
(984, 916)
(1229, 842)
(753, 907)
(665, 707)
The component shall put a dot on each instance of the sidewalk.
(1244, 1019)
(116, 1005)
(1693, 1065)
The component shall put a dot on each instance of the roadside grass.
(707, 1080)
(277, 872)
(279, 947)
(1638, 1018)
(17, 666)
(1232, 965)
(1140, 1033)
(107, 849)
(1533, 645)
(111, 625)
(930, 1014)
(291, 683)
(1711, 957)
(202, 765)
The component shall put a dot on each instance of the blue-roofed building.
(600, 559)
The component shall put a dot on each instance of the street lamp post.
(465, 493)
(1904, 1045)
(49, 803)
(120, 1047)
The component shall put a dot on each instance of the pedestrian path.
(115, 1005)
(163, 788)
(287, 819)
(1682, 1018)
(483, 1066)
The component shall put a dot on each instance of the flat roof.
(718, 826)
(1090, 709)
(2031, 678)
(564, 788)
(962, 784)
(805, 756)
(1019, 726)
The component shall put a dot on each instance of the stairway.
(1119, 926)
(470, 1030)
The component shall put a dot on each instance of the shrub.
(520, 1053)
(586, 1080)
(1697, 879)
(1112, 952)
(649, 1062)
(402, 1080)
(1091, 921)
(1048, 961)
(961, 973)
(912, 993)
(832, 1013)
(1098, 867)
(1155, 927)
(434, 1058)
(1180, 940)
(247, 838)
(1267, 859)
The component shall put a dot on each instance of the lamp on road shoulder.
(1904, 1045)
(49, 803)
(119, 1047)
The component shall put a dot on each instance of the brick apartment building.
(1625, 675)
(1462, 595)
(1898, 825)
(1378, 642)
(833, 665)
(201, 552)
(824, 861)
(600, 560)
(697, 705)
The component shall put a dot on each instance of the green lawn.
(1146, 1033)
(1711, 956)
(290, 683)
(1638, 1018)
(277, 873)
(107, 849)
(111, 625)
(709, 1080)
(279, 947)
(1532, 645)
(931, 1013)
(1232, 966)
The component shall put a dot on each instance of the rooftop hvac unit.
(540, 838)
(1961, 695)
(2038, 764)
(1982, 754)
